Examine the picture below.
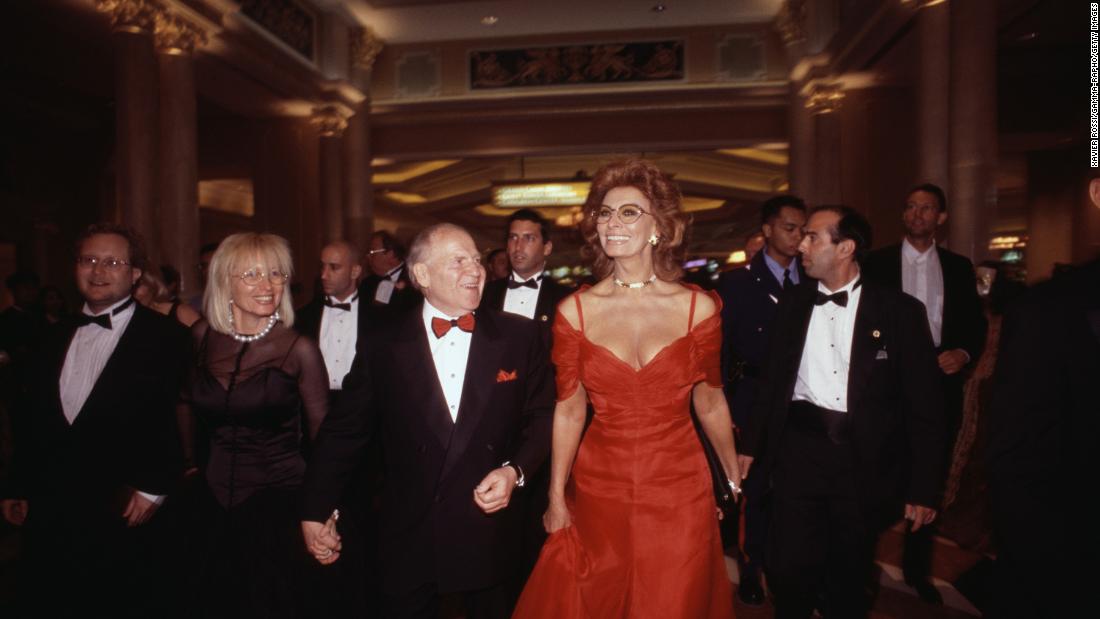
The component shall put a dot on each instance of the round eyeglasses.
(254, 277)
(627, 214)
(91, 262)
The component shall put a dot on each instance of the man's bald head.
(340, 269)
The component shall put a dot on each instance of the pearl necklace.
(255, 336)
(636, 285)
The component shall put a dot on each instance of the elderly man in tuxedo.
(463, 404)
(101, 448)
(848, 423)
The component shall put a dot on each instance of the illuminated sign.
(533, 195)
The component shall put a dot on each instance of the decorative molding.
(177, 35)
(137, 16)
(329, 121)
(791, 22)
(364, 48)
(825, 98)
(577, 64)
(291, 21)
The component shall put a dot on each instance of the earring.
(653, 240)
(231, 311)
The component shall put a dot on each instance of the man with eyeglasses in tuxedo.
(101, 448)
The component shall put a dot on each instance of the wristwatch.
(520, 479)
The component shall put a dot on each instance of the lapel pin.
(543, 318)
(876, 334)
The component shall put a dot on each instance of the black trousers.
(819, 539)
(916, 558)
(426, 602)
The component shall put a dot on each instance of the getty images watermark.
(1094, 87)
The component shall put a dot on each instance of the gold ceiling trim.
(411, 172)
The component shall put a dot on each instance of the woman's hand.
(557, 517)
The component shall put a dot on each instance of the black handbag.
(724, 497)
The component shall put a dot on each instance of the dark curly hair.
(664, 199)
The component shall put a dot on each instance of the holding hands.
(322, 540)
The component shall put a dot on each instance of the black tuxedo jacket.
(125, 437)
(964, 322)
(894, 398)
(430, 530)
(550, 294)
(750, 298)
(404, 298)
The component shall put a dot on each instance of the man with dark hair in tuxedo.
(848, 423)
(527, 292)
(750, 296)
(101, 448)
(463, 404)
(944, 283)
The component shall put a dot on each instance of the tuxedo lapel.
(486, 348)
(116, 369)
(494, 294)
(412, 354)
(867, 341)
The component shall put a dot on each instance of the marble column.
(331, 125)
(824, 106)
(973, 126)
(364, 47)
(359, 191)
(136, 123)
(802, 154)
(179, 208)
(933, 94)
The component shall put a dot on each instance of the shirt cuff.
(157, 499)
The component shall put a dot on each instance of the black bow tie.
(103, 320)
(340, 306)
(531, 283)
(840, 298)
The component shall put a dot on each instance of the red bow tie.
(441, 326)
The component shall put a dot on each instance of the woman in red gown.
(634, 532)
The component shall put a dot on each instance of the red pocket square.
(503, 377)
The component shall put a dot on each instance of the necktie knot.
(787, 281)
(441, 326)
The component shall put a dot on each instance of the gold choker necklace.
(636, 285)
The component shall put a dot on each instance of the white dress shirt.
(823, 371)
(522, 300)
(89, 351)
(450, 354)
(386, 287)
(91, 347)
(339, 332)
(922, 277)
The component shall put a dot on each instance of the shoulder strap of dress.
(691, 312)
(580, 314)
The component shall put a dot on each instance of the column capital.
(791, 21)
(824, 98)
(329, 121)
(364, 48)
(176, 35)
(138, 16)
